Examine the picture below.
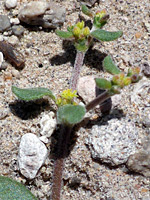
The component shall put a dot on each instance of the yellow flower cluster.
(121, 80)
(101, 14)
(80, 31)
(66, 97)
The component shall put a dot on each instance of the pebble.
(3, 113)
(10, 4)
(14, 21)
(114, 142)
(140, 161)
(47, 15)
(89, 3)
(1, 59)
(13, 40)
(15, 73)
(18, 30)
(7, 76)
(32, 155)
(48, 124)
(146, 69)
(4, 23)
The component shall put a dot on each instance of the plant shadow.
(93, 57)
(29, 110)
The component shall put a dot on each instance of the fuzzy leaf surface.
(13, 190)
(103, 83)
(70, 114)
(110, 66)
(32, 93)
(86, 10)
(103, 35)
(64, 34)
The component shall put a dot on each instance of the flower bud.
(80, 24)
(127, 81)
(86, 31)
(76, 31)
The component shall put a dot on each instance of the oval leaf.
(70, 114)
(64, 34)
(32, 93)
(110, 66)
(86, 11)
(106, 35)
(103, 83)
(12, 190)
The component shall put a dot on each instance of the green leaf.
(86, 11)
(13, 190)
(106, 35)
(70, 114)
(32, 93)
(110, 66)
(103, 83)
(64, 34)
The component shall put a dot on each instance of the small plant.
(82, 37)
(69, 112)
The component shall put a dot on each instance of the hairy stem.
(62, 152)
(76, 70)
(98, 100)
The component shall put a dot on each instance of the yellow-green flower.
(66, 97)
(101, 14)
(80, 25)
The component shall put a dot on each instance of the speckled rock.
(32, 155)
(140, 161)
(10, 4)
(4, 23)
(114, 142)
(3, 112)
(47, 15)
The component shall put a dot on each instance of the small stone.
(13, 40)
(48, 124)
(138, 35)
(15, 73)
(146, 69)
(4, 23)
(89, 3)
(114, 142)
(14, 21)
(32, 155)
(10, 4)
(3, 113)
(44, 139)
(140, 161)
(7, 76)
(18, 30)
(47, 15)
(1, 59)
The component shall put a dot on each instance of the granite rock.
(114, 142)
(32, 155)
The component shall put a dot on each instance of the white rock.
(14, 21)
(1, 58)
(32, 155)
(48, 124)
(10, 4)
(114, 142)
